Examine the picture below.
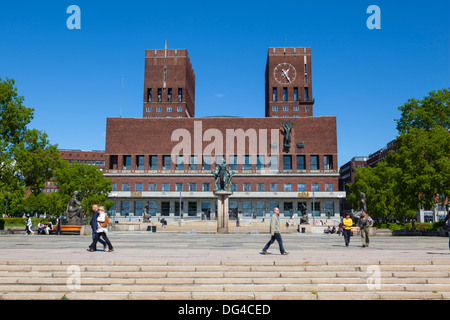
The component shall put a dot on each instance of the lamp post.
(313, 213)
(179, 221)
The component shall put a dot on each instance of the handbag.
(105, 223)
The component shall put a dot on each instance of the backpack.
(105, 223)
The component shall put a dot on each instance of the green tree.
(423, 157)
(92, 186)
(417, 172)
(26, 156)
(429, 112)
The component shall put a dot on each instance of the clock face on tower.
(284, 73)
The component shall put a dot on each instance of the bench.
(67, 229)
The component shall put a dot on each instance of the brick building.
(161, 158)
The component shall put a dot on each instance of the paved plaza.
(142, 245)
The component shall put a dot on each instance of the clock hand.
(286, 75)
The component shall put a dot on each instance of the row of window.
(248, 208)
(246, 187)
(159, 109)
(286, 108)
(285, 93)
(314, 162)
(96, 162)
(169, 95)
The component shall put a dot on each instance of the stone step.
(228, 280)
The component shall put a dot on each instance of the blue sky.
(72, 78)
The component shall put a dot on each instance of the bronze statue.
(304, 218)
(222, 177)
(362, 207)
(74, 211)
(287, 135)
(146, 215)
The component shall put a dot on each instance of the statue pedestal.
(222, 210)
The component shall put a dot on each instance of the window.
(247, 208)
(169, 109)
(179, 109)
(285, 108)
(178, 186)
(306, 78)
(152, 186)
(206, 163)
(158, 109)
(219, 159)
(138, 205)
(247, 165)
(180, 163)
(206, 187)
(260, 187)
(114, 187)
(288, 187)
(140, 160)
(125, 186)
(314, 187)
(260, 208)
(148, 109)
(260, 162)
(274, 95)
(139, 187)
(306, 70)
(314, 165)
(193, 163)
(233, 163)
(301, 187)
(167, 161)
(180, 94)
(295, 94)
(152, 208)
(192, 187)
(247, 187)
(166, 187)
(169, 97)
(149, 95)
(274, 162)
(328, 187)
(126, 162)
(287, 162)
(328, 162)
(159, 95)
(274, 187)
(329, 208)
(285, 94)
(274, 108)
(301, 163)
(306, 94)
(125, 208)
(295, 108)
(153, 162)
(233, 186)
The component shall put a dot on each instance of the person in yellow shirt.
(347, 228)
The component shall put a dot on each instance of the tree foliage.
(417, 173)
(92, 186)
(26, 156)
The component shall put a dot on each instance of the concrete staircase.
(224, 280)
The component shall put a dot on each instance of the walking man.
(29, 225)
(364, 224)
(275, 232)
(94, 225)
(101, 231)
(58, 225)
